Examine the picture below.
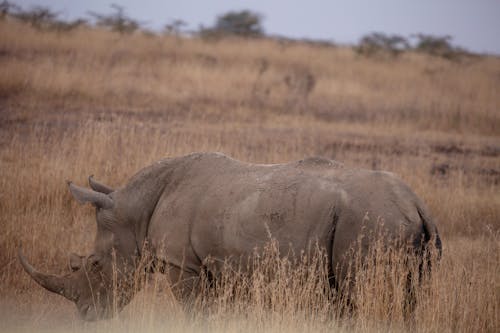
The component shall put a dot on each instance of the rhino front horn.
(55, 284)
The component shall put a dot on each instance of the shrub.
(39, 17)
(440, 46)
(118, 21)
(174, 27)
(377, 43)
(243, 23)
(7, 8)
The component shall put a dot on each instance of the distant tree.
(118, 21)
(174, 27)
(66, 26)
(378, 43)
(244, 23)
(8, 8)
(38, 17)
(240, 23)
(440, 46)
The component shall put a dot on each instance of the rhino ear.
(83, 195)
(75, 262)
(99, 187)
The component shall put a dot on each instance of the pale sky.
(473, 24)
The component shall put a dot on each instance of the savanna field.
(90, 101)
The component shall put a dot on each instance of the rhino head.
(102, 283)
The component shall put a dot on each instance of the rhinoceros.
(207, 205)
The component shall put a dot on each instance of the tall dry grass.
(242, 80)
(91, 102)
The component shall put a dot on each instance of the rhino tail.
(431, 234)
(431, 247)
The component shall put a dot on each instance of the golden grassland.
(93, 102)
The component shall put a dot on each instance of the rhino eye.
(94, 261)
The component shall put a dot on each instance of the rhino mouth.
(89, 313)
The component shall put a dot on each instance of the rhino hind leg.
(184, 284)
(350, 254)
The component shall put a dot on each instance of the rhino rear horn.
(55, 284)
(99, 187)
(83, 195)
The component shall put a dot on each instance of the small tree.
(242, 23)
(38, 17)
(7, 8)
(118, 21)
(174, 27)
(378, 43)
(66, 26)
(440, 46)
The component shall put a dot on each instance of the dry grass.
(92, 102)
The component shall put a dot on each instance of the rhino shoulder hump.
(318, 161)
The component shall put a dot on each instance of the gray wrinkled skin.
(207, 205)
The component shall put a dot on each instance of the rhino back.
(226, 208)
(221, 207)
